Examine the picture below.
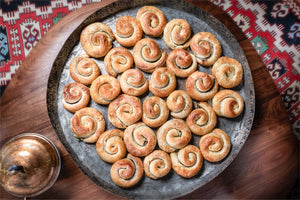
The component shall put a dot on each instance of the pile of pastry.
(133, 147)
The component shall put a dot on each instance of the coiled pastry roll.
(96, 39)
(104, 89)
(110, 146)
(83, 69)
(206, 48)
(127, 172)
(215, 146)
(202, 120)
(140, 140)
(133, 82)
(180, 104)
(117, 61)
(152, 19)
(128, 31)
(173, 135)
(177, 34)
(187, 162)
(228, 72)
(148, 55)
(162, 82)
(157, 164)
(88, 124)
(75, 96)
(124, 111)
(155, 111)
(228, 103)
(201, 86)
(181, 62)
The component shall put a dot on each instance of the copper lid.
(29, 165)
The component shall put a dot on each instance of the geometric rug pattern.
(273, 27)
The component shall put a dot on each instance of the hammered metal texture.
(85, 155)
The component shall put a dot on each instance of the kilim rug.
(273, 27)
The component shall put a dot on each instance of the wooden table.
(266, 167)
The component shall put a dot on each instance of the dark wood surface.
(266, 167)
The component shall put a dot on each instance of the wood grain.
(266, 167)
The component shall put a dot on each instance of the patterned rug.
(272, 26)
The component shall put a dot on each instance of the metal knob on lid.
(29, 165)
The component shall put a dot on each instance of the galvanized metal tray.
(85, 155)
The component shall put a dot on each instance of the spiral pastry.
(181, 62)
(152, 19)
(155, 112)
(180, 104)
(128, 31)
(228, 103)
(201, 86)
(87, 124)
(187, 162)
(202, 120)
(173, 135)
(215, 146)
(110, 146)
(133, 82)
(162, 82)
(75, 96)
(104, 89)
(96, 39)
(124, 111)
(83, 69)
(148, 55)
(177, 34)
(127, 172)
(157, 164)
(206, 48)
(228, 72)
(118, 60)
(140, 140)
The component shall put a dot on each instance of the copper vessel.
(29, 165)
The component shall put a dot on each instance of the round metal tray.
(85, 155)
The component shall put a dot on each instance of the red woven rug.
(273, 27)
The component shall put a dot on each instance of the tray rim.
(100, 15)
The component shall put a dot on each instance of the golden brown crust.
(140, 140)
(96, 39)
(88, 124)
(201, 86)
(152, 19)
(187, 162)
(177, 34)
(104, 89)
(133, 82)
(128, 31)
(202, 120)
(157, 164)
(155, 111)
(162, 82)
(206, 48)
(228, 72)
(173, 135)
(181, 62)
(75, 96)
(180, 104)
(124, 111)
(83, 69)
(127, 172)
(228, 103)
(215, 146)
(118, 60)
(110, 146)
(148, 55)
